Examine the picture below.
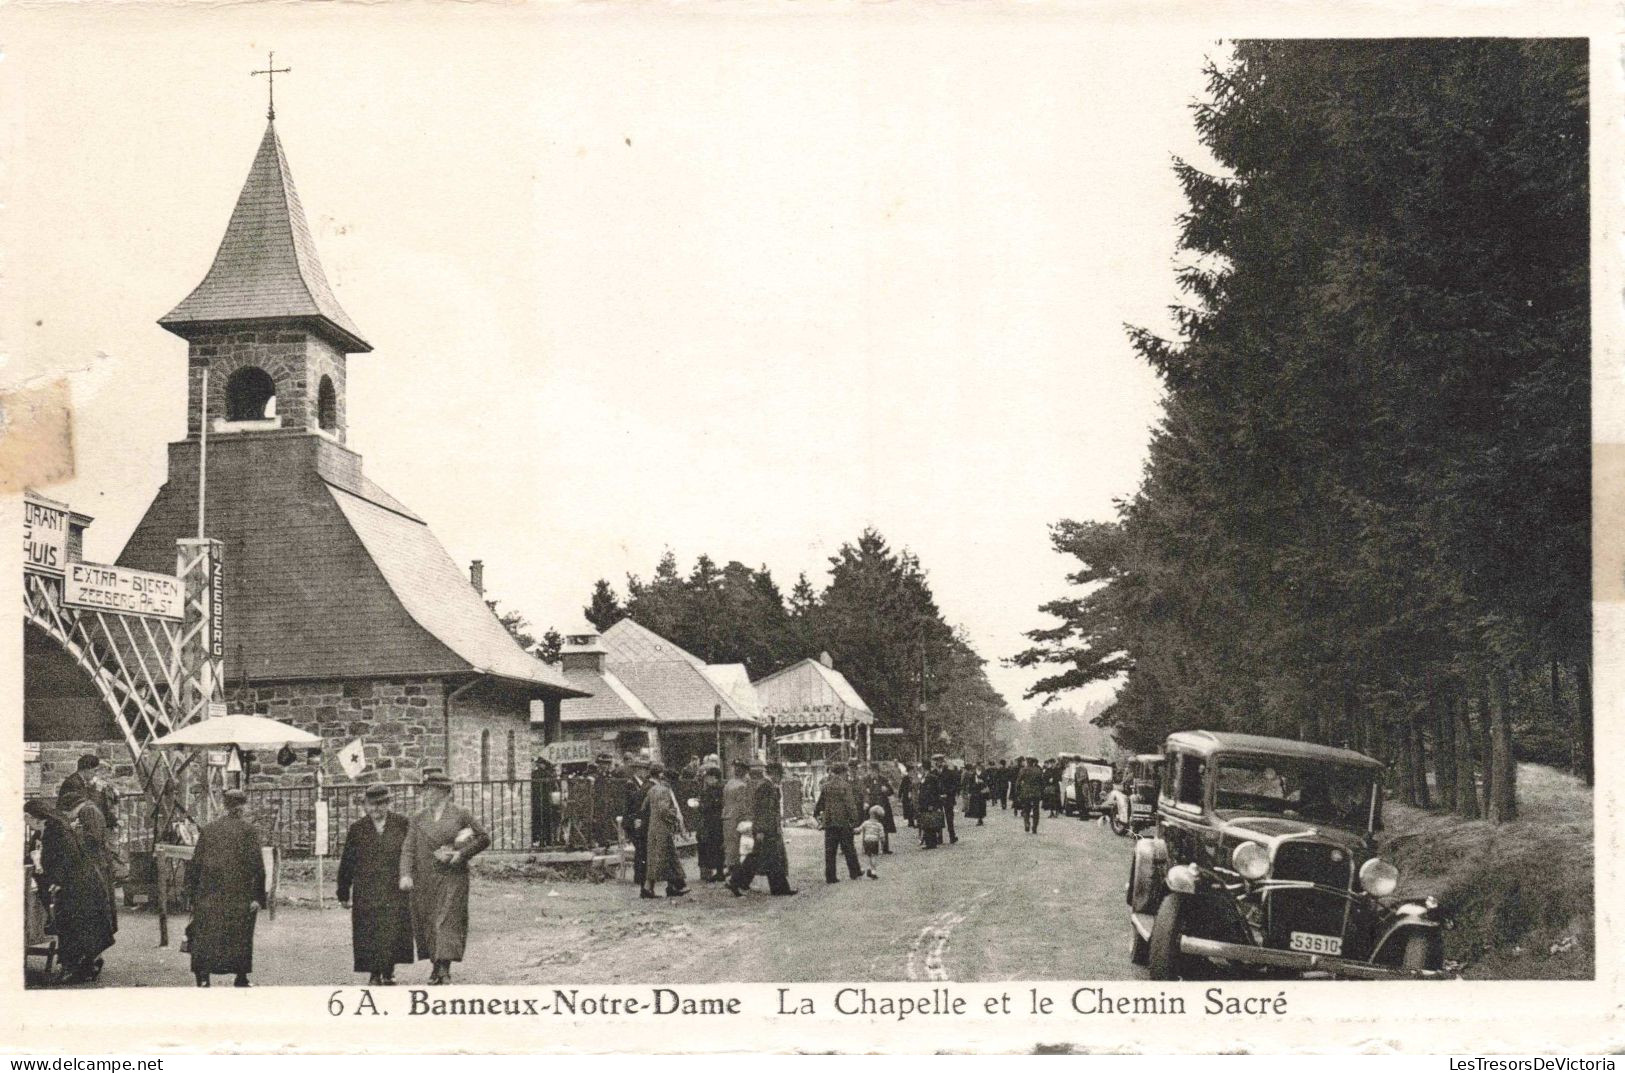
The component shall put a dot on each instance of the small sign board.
(45, 538)
(321, 829)
(121, 590)
(218, 757)
(217, 709)
(569, 752)
(887, 732)
(234, 762)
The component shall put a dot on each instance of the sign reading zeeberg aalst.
(121, 590)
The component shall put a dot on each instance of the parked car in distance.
(1086, 783)
(1132, 807)
(1264, 859)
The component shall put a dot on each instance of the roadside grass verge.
(1520, 895)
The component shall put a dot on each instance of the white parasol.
(243, 731)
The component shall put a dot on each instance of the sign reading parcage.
(568, 752)
(121, 590)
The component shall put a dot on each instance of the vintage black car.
(1263, 859)
(1132, 807)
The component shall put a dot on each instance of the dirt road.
(1000, 905)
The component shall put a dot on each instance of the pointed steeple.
(266, 268)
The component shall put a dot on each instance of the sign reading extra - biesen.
(118, 589)
(45, 538)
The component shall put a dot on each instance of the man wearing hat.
(768, 855)
(440, 839)
(225, 883)
(839, 813)
(736, 805)
(87, 784)
(606, 801)
(635, 814)
(948, 788)
(369, 886)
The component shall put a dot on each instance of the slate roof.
(809, 692)
(629, 642)
(611, 700)
(436, 594)
(266, 267)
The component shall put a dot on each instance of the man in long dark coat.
(708, 826)
(948, 786)
(635, 815)
(226, 885)
(929, 807)
(768, 854)
(369, 886)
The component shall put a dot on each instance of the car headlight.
(1378, 877)
(1251, 860)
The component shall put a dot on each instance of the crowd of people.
(406, 879)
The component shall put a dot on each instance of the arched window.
(513, 771)
(250, 395)
(327, 405)
(485, 756)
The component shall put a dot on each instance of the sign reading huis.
(45, 537)
(121, 590)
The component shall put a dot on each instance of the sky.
(638, 278)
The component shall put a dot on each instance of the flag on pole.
(353, 759)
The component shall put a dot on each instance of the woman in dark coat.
(1052, 789)
(74, 887)
(877, 791)
(369, 886)
(225, 883)
(663, 822)
(709, 826)
(975, 796)
(905, 791)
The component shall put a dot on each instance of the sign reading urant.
(45, 537)
(121, 590)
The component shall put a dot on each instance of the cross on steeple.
(270, 73)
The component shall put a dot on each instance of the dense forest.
(875, 616)
(1365, 516)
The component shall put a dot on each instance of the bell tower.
(264, 323)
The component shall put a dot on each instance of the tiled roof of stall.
(809, 692)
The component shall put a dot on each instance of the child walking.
(874, 831)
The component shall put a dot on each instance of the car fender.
(1146, 885)
(1401, 926)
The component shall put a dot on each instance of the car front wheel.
(1139, 950)
(1164, 958)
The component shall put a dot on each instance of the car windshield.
(1325, 793)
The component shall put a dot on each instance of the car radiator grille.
(1303, 910)
(1313, 862)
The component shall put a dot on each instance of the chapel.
(344, 615)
